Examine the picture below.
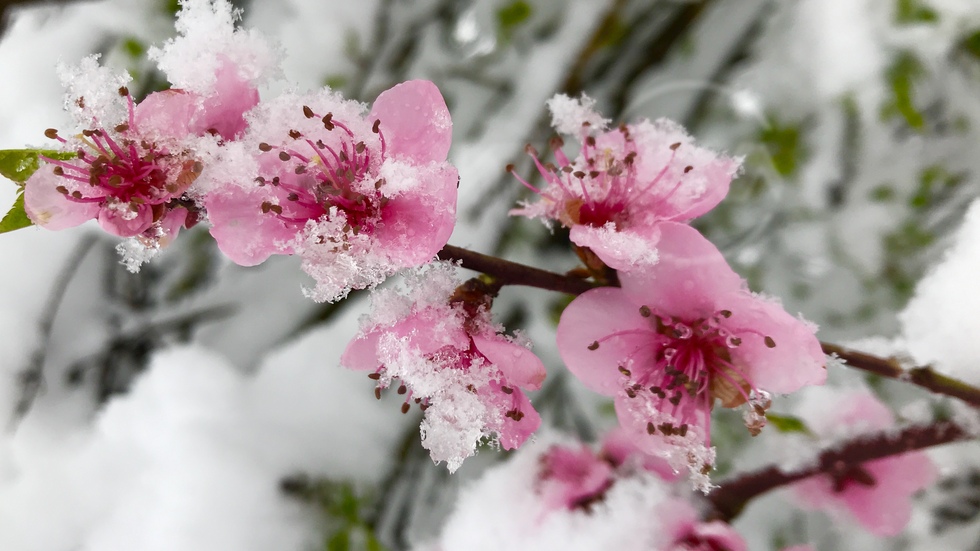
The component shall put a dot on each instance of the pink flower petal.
(361, 353)
(170, 225)
(691, 278)
(115, 222)
(571, 476)
(885, 508)
(620, 446)
(409, 216)
(224, 109)
(167, 114)
(595, 315)
(512, 434)
(243, 233)
(795, 361)
(415, 121)
(48, 208)
(518, 364)
(626, 250)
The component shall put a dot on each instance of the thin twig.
(512, 273)
(731, 496)
(31, 378)
(925, 377)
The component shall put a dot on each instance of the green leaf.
(787, 423)
(19, 164)
(972, 43)
(134, 47)
(914, 11)
(512, 15)
(340, 541)
(335, 81)
(16, 218)
(902, 75)
(783, 143)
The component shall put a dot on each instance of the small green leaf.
(972, 43)
(914, 11)
(787, 423)
(512, 15)
(783, 143)
(336, 81)
(882, 193)
(902, 76)
(16, 218)
(134, 47)
(19, 164)
(340, 541)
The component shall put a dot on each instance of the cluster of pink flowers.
(357, 195)
(361, 194)
(682, 331)
(135, 175)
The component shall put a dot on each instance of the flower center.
(602, 185)
(449, 357)
(683, 367)
(121, 171)
(324, 176)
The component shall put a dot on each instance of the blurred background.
(198, 404)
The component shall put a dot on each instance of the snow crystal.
(93, 92)
(940, 324)
(207, 37)
(192, 458)
(335, 270)
(568, 115)
(134, 253)
(503, 511)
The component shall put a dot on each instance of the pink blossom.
(682, 531)
(680, 335)
(572, 477)
(134, 176)
(451, 361)
(358, 196)
(877, 493)
(620, 448)
(624, 183)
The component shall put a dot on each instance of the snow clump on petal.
(451, 361)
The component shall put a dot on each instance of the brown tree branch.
(732, 495)
(512, 273)
(892, 368)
